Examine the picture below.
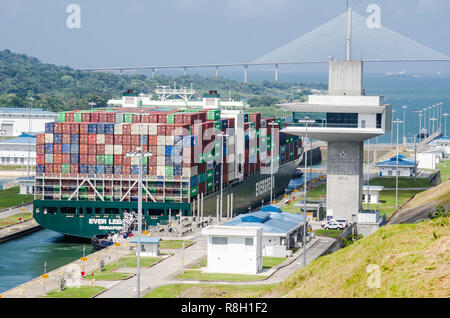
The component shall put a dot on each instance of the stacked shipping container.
(186, 151)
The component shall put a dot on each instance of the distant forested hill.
(59, 88)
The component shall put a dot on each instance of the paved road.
(12, 211)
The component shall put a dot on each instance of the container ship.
(86, 182)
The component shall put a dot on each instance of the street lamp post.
(445, 124)
(29, 133)
(140, 154)
(397, 121)
(425, 119)
(404, 120)
(306, 120)
(430, 114)
(222, 135)
(392, 132)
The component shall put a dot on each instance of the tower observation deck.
(344, 118)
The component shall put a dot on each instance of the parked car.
(343, 222)
(333, 225)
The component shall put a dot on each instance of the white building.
(26, 185)
(15, 121)
(149, 245)
(442, 143)
(17, 151)
(371, 193)
(236, 250)
(401, 167)
(427, 160)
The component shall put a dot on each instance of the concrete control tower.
(344, 118)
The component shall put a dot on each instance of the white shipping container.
(117, 149)
(160, 170)
(134, 161)
(190, 171)
(160, 160)
(230, 175)
(161, 140)
(169, 140)
(109, 149)
(118, 129)
(161, 150)
(48, 138)
(135, 129)
(152, 129)
(100, 139)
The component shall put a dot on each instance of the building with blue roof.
(402, 167)
(149, 245)
(281, 230)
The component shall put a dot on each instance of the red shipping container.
(40, 159)
(126, 160)
(83, 138)
(74, 128)
(84, 128)
(65, 158)
(100, 149)
(126, 140)
(126, 129)
(103, 117)
(48, 168)
(40, 149)
(73, 168)
(57, 158)
(161, 130)
(57, 148)
(152, 169)
(153, 140)
(162, 118)
(126, 170)
(111, 118)
(152, 160)
(135, 140)
(118, 159)
(66, 128)
(69, 117)
(85, 117)
(66, 138)
(57, 128)
(94, 117)
(145, 118)
(57, 168)
(92, 139)
(153, 118)
(109, 139)
(126, 148)
(153, 150)
(40, 139)
(92, 160)
(136, 118)
(83, 159)
(84, 149)
(118, 139)
(92, 149)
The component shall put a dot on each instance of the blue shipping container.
(48, 148)
(49, 128)
(100, 128)
(40, 168)
(92, 128)
(74, 148)
(83, 169)
(135, 170)
(117, 169)
(194, 181)
(109, 169)
(100, 169)
(74, 138)
(92, 169)
(109, 129)
(57, 138)
(65, 148)
(74, 159)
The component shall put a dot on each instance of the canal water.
(23, 259)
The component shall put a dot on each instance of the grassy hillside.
(59, 88)
(414, 261)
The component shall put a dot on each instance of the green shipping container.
(210, 174)
(213, 114)
(201, 177)
(100, 159)
(194, 191)
(169, 171)
(170, 118)
(128, 118)
(61, 117)
(77, 117)
(119, 118)
(65, 168)
(209, 184)
(217, 125)
(48, 158)
(109, 159)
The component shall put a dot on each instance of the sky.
(172, 32)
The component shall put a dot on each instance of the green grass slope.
(413, 261)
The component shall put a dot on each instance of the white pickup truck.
(334, 224)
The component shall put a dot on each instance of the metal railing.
(333, 125)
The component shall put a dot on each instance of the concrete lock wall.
(344, 179)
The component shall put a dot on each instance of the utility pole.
(271, 160)
(445, 124)
(29, 133)
(404, 120)
(222, 135)
(397, 121)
